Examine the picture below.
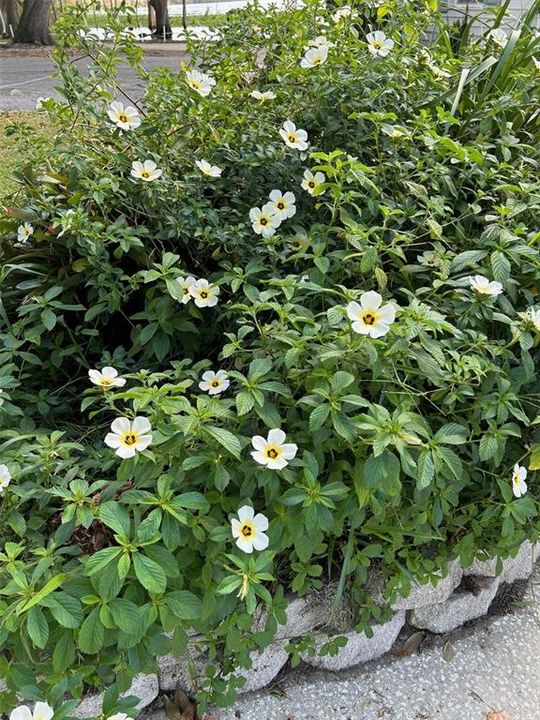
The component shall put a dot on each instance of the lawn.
(19, 133)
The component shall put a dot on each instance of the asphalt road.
(24, 79)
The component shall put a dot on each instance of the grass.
(208, 20)
(20, 133)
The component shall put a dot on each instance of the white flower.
(186, 284)
(314, 57)
(204, 294)
(296, 139)
(341, 13)
(312, 181)
(128, 437)
(119, 716)
(42, 711)
(24, 231)
(106, 378)
(498, 36)
(207, 169)
(282, 204)
(319, 41)
(214, 383)
(379, 44)
(5, 477)
(519, 486)
(484, 287)
(40, 101)
(264, 220)
(299, 242)
(273, 451)
(147, 170)
(370, 317)
(249, 530)
(536, 62)
(263, 96)
(123, 116)
(533, 316)
(200, 82)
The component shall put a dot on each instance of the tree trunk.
(11, 12)
(163, 25)
(151, 17)
(34, 23)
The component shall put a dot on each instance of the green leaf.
(64, 653)
(226, 439)
(426, 469)
(37, 627)
(244, 402)
(116, 517)
(48, 318)
(65, 609)
(92, 633)
(259, 367)
(488, 446)
(192, 501)
(149, 573)
(47, 589)
(184, 605)
(318, 417)
(126, 615)
(101, 559)
(451, 434)
(500, 266)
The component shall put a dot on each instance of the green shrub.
(418, 189)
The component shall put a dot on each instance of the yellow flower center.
(105, 382)
(122, 117)
(186, 290)
(203, 294)
(369, 318)
(292, 138)
(377, 45)
(272, 452)
(281, 206)
(247, 530)
(215, 383)
(264, 221)
(145, 174)
(195, 85)
(130, 438)
(311, 184)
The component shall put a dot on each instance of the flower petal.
(371, 300)
(261, 522)
(289, 450)
(354, 311)
(141, 425)
(276, 437)
(21, 713)
(112, 440)
(43, 711)
(260, 541)
(120, 425)
(246, 513)
(258, 442)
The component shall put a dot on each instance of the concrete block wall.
(438, 608)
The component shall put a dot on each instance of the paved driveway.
(23, 79)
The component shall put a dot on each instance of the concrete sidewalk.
(23, 79)
(491, 665)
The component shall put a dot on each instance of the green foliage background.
(406, 444)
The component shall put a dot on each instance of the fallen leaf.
(411, 644)
(448, 652)
(181, 708)
(497, 715)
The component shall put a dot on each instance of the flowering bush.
(272, 327)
